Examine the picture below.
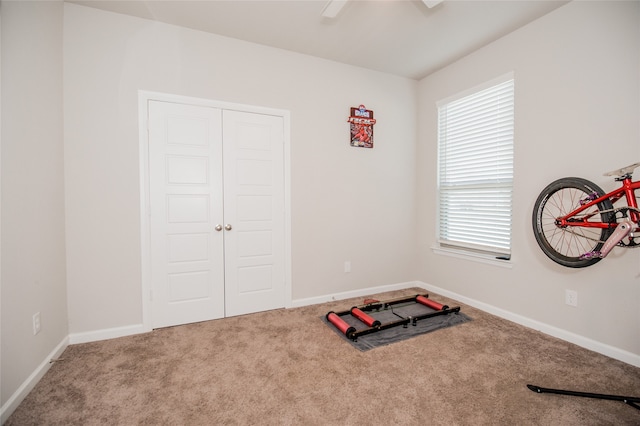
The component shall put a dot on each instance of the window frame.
(486, 254)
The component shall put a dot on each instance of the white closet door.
(254, 210)
(186, 204)
(216, 188)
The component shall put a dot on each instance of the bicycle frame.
(627, 190)
(575, 225)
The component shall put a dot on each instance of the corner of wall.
(27, 386)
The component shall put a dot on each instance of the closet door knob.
(218, 227)
(228, 227)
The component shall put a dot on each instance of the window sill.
(475, 257)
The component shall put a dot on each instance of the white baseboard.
(112, 333)
(109, 333)
(585, 342)
(353, 293)
(21, 393)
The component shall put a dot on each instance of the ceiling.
(401, 37)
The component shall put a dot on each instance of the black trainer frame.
(353, 334)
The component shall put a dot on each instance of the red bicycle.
(577, 224)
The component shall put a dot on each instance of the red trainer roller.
(430, 303)
(340, 324)
(367, 319)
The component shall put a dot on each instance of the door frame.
(145, 226)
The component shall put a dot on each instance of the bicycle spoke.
(571, 241)
(575, 242)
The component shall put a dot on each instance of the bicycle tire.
(565, 246)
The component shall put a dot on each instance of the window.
(475, 169)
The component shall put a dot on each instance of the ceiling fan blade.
(432, 3)
(333, 7)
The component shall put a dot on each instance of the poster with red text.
(361, 123)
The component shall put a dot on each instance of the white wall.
(577, 86)
(347, 203)
(33, 250)
(577, 97)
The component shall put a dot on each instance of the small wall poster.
(361, 124)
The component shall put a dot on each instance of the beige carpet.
(286, 367)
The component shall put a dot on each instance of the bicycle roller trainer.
(372, 325)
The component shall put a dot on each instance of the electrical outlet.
(571, 297)
(347, 266)
(36, 323)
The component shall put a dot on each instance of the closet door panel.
(254, 208)
(186, 204)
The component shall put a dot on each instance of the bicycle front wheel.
(566, 245)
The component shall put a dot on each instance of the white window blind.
(475, 159)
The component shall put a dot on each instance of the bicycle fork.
(622, 230)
